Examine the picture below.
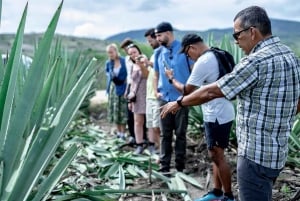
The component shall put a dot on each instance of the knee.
(217, 157)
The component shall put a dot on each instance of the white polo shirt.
(206, 71)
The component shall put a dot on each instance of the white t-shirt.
(206, 71)
(129, 65)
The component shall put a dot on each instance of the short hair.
(151, 33)
(255, 16)
(114, 46)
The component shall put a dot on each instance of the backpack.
(225, 60)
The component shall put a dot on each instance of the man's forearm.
(202, 95)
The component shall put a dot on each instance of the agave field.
(52, 149)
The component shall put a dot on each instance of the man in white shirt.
(218, 113)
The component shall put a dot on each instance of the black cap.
(163, 27)
(189, 39)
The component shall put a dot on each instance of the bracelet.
(179, 100)
(171, 80)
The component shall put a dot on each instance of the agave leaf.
(37, 160)
(112, 170)
(24, 105)
(48, 184)
(7, 97)
(189, 179)
(122, 180)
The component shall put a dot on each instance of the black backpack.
(225, 60)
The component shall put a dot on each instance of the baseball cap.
(189, 39)
(163, 27)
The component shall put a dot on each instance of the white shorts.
(152, 113)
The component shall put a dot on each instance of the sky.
(103, 18)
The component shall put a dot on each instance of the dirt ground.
(198, 166)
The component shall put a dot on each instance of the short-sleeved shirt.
(206, 71)
(178, 62)
(266, 84)
(150, 85)
(129, 65)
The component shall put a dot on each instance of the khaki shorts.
(152, 113)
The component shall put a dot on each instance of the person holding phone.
(174, 123)
(139, 74)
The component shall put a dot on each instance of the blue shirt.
(121, 77)
(176, 61)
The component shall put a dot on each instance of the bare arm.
(202, 95)
(198, 97)
(143, 66)
(184, 89)
(155, 84)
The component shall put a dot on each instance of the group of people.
(136, 105)
(265, 84)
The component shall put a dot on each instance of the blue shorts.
(217, 134)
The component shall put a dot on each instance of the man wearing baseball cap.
(218, 115)
(168, 57)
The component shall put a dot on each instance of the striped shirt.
(266, 83)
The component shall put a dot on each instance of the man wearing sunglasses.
(266, 83)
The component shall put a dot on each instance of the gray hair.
(257, 17)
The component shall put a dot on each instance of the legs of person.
(181, 123)
(130, 124)
(138, 127)
(121, 115)
(145, 137)
(217, 139)
(221, 170)
(255, 181)
(156, 122)
(167, 125)
(138, 130)
(156, 136)
(153, 121)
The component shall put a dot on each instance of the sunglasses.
(130, 46)
(236, 35)
(187, 51)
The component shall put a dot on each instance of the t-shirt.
(206, 71)
(150, 86)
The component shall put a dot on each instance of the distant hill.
(288, 31)
(71, 43)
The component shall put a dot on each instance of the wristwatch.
(171, 80)
(179, 99)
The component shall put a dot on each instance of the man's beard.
(164, 43)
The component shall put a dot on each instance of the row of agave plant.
(37, 104)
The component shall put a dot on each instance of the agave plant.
(36, 108)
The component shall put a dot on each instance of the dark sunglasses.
(236, 35)
(187, 50)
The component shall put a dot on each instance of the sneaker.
(152, 150)
(209, 197)
(164, 171)
(138, 150)
(225, 198)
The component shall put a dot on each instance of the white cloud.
(95, 18)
